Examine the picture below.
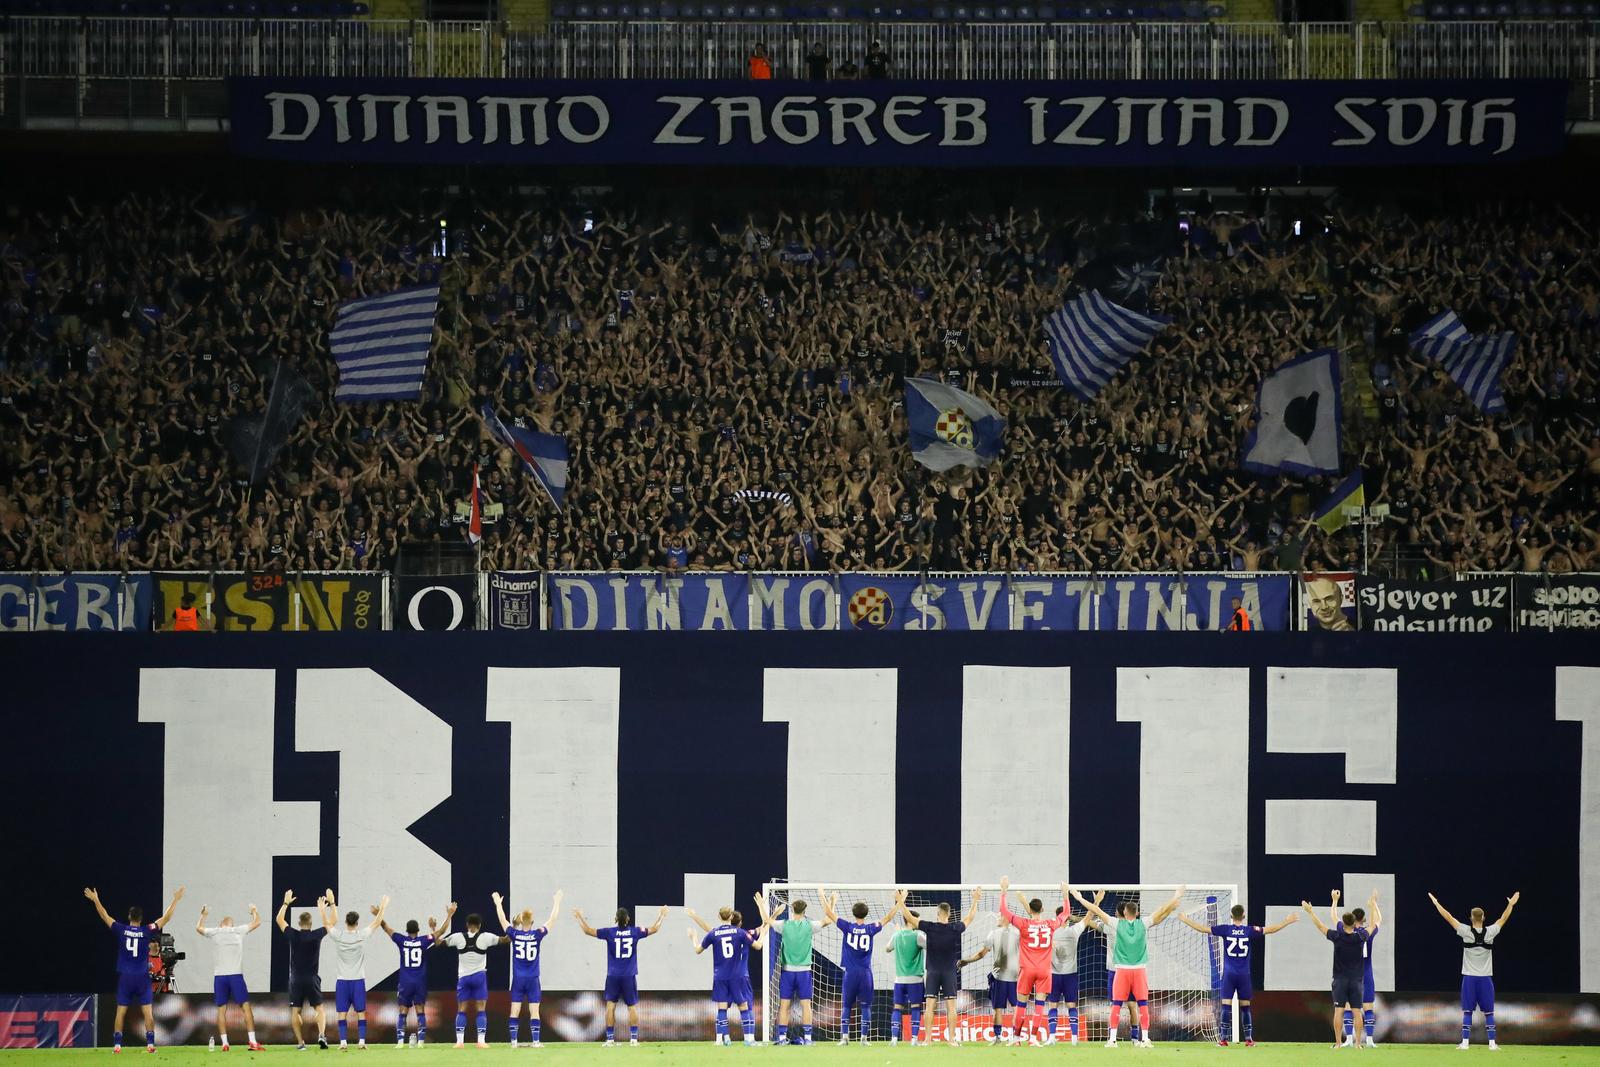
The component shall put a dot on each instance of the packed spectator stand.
(726, 368)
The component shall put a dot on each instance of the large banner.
(61, 1021)
(80, 601)
(435, 768)
(274, 600)
(795, 601)
(1558, 601)
(1477, 605)
(899, 123)
(1328, 601)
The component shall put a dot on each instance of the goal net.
(1185, 969)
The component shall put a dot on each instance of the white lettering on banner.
(562, 830)
(1351, 711)
(841, 744)
(565, 587)
(371, 126)
(1195, 110)
(1427, 114)
(852, 111)
(978, 617)
(819, 587)
(1322, 827)
(924, 602)
(1194, 741)
(964, 125)
(718, 614)
(1022, 609)
(568, 128)
(453, 108)
(1038, 108)
(13, 607)
(1503, 115)
(733, 109)
(341, 118)
(1015, 731)
(513, 105)
(897, 109)
(685, 105)
(390, 775)
(782, 116)
(458, 609)
(1578, 700)
(663, 604)
(217, 768)
(619, 603)
(1152, 121)
(278, 103)
(767, 597)
(1247, 121)
(1346, 109)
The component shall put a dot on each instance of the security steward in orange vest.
(1241, 617)
(760, 65)
(186, 617)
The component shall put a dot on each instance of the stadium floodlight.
(1185, 971)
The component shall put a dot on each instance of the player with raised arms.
(305, 985)
(1369, 919)
(525, 939)
(227, 983)
(1236, 981)
(411, 990)
(472, 974)
(350, 949)
(794, 953)
(1477, 966)
(1036, 935)
(1002, 943)
(942, 944)
(1064, 964)
(1349, 949)
(730, 969)
(856, 959)
(622, 966)
(1130, 957)
(908, 948)
(133, 963)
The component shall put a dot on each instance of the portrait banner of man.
(1329, 598)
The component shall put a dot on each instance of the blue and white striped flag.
(1091, 339)
(1473, 363)
(381, 344)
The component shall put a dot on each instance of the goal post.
(1185, 967)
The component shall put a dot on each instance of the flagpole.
(262, 432)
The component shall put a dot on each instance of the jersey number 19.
(413, 957)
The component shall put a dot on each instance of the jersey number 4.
(132, 944)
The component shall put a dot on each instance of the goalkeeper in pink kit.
(1037, 935)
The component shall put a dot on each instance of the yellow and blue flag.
(1348, 493)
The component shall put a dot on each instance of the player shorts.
(525, 989)
(1064, 988)
(858, 987)
(1369, 988)
(350, 993)
(229, 989)
(1236, 984)
(795, 985)
(907, 994)
(472, 987)
(412, 993)
(1477, 993)
(1002, 994)
(621, 987)
(1131, 983)
(1033, 983)
(942, 983)
(133, 989)
(744, 994)
(1347, 990)
(303, 991)
(725, 991)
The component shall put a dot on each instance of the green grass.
(685, 1054)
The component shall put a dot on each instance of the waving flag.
(1473, 363)
(1298, 416)
(1091, 339)
(544, 454)
(475, 520)
(949, 427)
(1351, 492)
(381, 344)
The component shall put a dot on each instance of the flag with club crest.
(950, 427)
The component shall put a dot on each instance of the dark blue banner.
(513, 600)
(83, 601)
(1147, 602)
(445, 766)
(626, 601)
(62, 1021)
(920, 123)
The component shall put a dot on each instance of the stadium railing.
(367, 600)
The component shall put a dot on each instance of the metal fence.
(187, 48)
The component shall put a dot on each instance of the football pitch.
(687, 1054)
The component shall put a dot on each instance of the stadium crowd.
(728, 381)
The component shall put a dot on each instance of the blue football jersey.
(730, 948)
(857, 951)
(622, 949)
(133, 947)
(525, 951)
(411, 955)
(1236, 944)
